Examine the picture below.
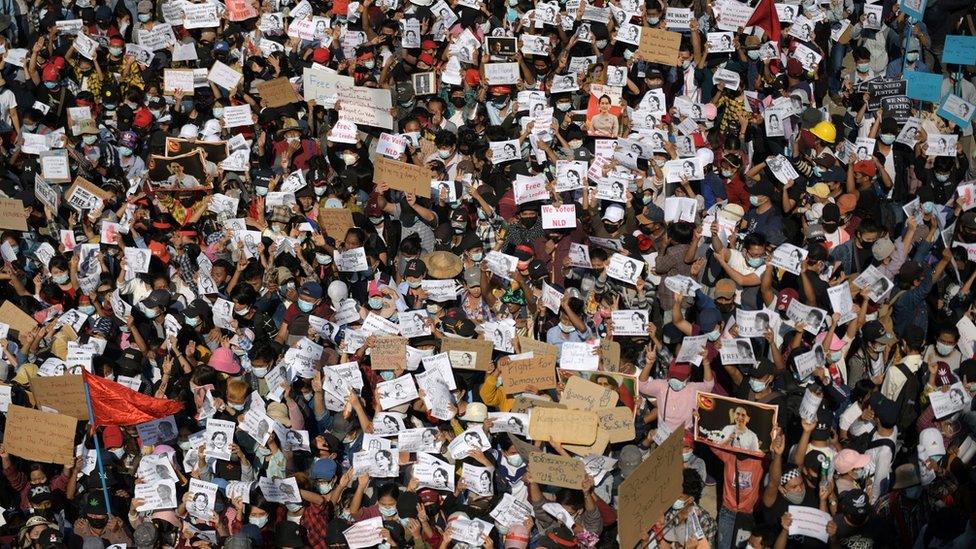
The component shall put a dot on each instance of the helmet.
(338, 291)
(825, 131)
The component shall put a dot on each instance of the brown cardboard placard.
(538, 372)
(609, 356)
(40, 436)
(566, 426)
(278, 93)
(482, 347)
(650, 490)
(598, 447)
(523, 404)
(529, 345)
(336, 222)
(16, 318)
(12, 214)
(88, 189)
(66, 394)
(580, 394)
(659, 46)
(388, 353)
(402, 176)
(555, 470)
(617, 423)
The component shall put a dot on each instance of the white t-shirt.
(7, 101)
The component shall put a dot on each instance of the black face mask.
(528, 222)
(611, 227)
(47, 514)
(457, 102)
(98, 523)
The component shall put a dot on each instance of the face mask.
(444, 154)
(972, 387)
(942, 177)
(911, 57)
(324, 487)
(90, 139)
(754, 200)
(600, 44)
(515, 460)
(685, 64)
(50, 85)
(835, 356)
(628, 54)
(187, 105)
(458, 102)
(60, 279)
(323, 259)
(713, 335)
(477, 257)
(152, 313)
(678, 505)
(727, 173)
(117, 452)
(415, 285)
(376, 220)
(238, 407)
(219, 111)
(686, 456)
(653, 21)
(320, 191)
(29, 127)
(433, 309)
(125, 151)
(863, 67)
(755, 262)
(97, 523)
(144, 18)
(564, 106)
(575, 144)
(795, 497)
(293, 507)
(115, 51)
(888, 138)
(499, 102)
(676, 384)
(660, 162)
(513, 3)
(375, 303)
(87, 309)
(305, 306)
(528, 222)
(388, 511)
(927, 207)
(566, 328)
(943, 348)
(261, 191)
(242, 312)
(349, 158)
(308, 396)
(753, 54)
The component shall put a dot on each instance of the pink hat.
(517, 537)
(223, 360)
(848, 459)
(709, 111)
(836, 343)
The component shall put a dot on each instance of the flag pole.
(98, 447)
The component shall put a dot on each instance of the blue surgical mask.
(713, 335)
(835, 356)
(87, 309)
(415, 284)
(728, 173)
(564, 106)
(125, 151)
(754, 200)
(566, 328)
(863, 67)
(911, 56)
(305, 306)
(323, 259)
(927, 207)
(652, 21)
(756, 385)
(90, 139)
(218, 112)
(753, 54)
(192, 321)
(676, 384)
(261, 191)
(50, 85)
(942, 177)
(60, 279)
(888, 138)
(387, 511)
(375, 303)
(755, 262)
(144, 18)
(628, 54)
(151, 313)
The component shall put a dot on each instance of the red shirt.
(736, 191)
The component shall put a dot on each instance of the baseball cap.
(630, 458)
(874, 331)
(853, 503)
(679, 370)
(289, 534)
(820, 190)
(846, 202)
(848, 459)
(882, 248)
(324, 469)
(157, 298)
(865, 167)
(311, 289)
(930, 444)
(725, 288)
(613, 213)
(475, 412)
(652, 214)
(910, 271)
(708, 319)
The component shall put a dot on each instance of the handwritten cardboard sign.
(529, 345)
(537, 372)
(389, 353)
(12, 215)
(483, 347)
(402, 176)
(554, 470)
(278, 92)
(66, 394)
(650, 490)
(16, 318)
(569, 426)
(610, 355)
(659, 46)
(523, 404)
(40, 436)
(581, 394)
(336, 221)
(617, 423)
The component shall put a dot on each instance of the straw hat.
(443, 265)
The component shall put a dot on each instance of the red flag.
(765, 16)
(115, 404)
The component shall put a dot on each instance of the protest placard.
(580, 394)
(12, 214)
(554, 470)
(480, 348)
(389, 353)
(40, 436)
(66, 394)
(537, 372)
(650, 490)
(659, 46)
(402, 176)
(278, 92)
(568, 426)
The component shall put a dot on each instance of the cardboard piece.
(16, 318)
(83, 184)
(483, 347)
(523, 404)
(336, 221)
(555, 470)
(581, 394)
(402, 176)
(529, 345)
(66, 394)
(388, 353)
(650, 490)
(598, 447)
(568, 426)
(12, 215)
(659, 46)
(538, 372)
(39, 436)
(278, 93)
(617, 423)
(610, 356)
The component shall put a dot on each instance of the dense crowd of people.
(324, 269)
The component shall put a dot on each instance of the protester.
(436, 274)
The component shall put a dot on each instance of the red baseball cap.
(321, 55)
(680, 370)
(428, 45)
(866, 167)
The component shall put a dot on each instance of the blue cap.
(311, 289)
(221, 46)
(834, 174)
(103, 13)
(324, 469)
(708, 319)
